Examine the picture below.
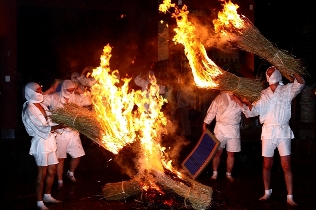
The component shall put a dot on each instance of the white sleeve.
(141, 82)
(296, 88)
(35, 123)
(211, 112)
(82, 99)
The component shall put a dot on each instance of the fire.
(121, 123)
(165, 6)
(112, 105)
(203, 68)
(227, 18)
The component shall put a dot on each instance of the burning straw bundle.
(240, 86)
(248, 38)
(199, 195)
(205, 72)
(193, 192)
(79, 118)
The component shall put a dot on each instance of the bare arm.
(55, 127)
(241, 102)
(299, 78)
(204, 127)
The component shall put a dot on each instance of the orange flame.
(165, 6)
(112, 105)
(121, 123)
(203, 68)
(228, 18)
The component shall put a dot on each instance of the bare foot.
(291, 202)
(230, 178)
(265, 197)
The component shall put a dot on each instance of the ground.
(18, 172)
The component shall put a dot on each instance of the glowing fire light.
(112, 105)
(228, 17)
(203, 68)
(121, 124)
(165, 6)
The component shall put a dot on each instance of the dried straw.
(206, 70)
(121, 190)
(197, 194)
(79, 118)
(249, 89)
(250, 39)
(240, 86)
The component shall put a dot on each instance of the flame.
(112, 105)
(203, 68)
(228, 18)
(165, 6)
(121, 123)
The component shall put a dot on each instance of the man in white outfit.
(68, 139)
(43, 145)
(227, 130)
(146, 82)
(149, 79)
(274, 109)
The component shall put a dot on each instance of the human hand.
(204, 127)
(299, 78)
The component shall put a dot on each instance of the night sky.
(53, 42)
(289, 25)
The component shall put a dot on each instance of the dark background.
(54, 41)
(290, 25)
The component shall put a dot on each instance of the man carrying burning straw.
(247, 37)
(205, 72)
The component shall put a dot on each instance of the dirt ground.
(18, 172)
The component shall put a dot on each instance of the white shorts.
(70, 144)
(283, 145)
(46, 159)
(231, 144)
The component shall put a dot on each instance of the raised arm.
(299, 78)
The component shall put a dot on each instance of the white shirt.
(228, 116)
(56, 100)
(143, 83)
(39, 128)
(274, 109)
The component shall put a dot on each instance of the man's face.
(270, 71)
(39, 90)
(70, 90)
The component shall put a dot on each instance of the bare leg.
(230, 161)
(39, 185)
(51, 171)
(73, 164)
(267, 166)
(286, 165)
(60, 168)
(229, 165)
(216, 161)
